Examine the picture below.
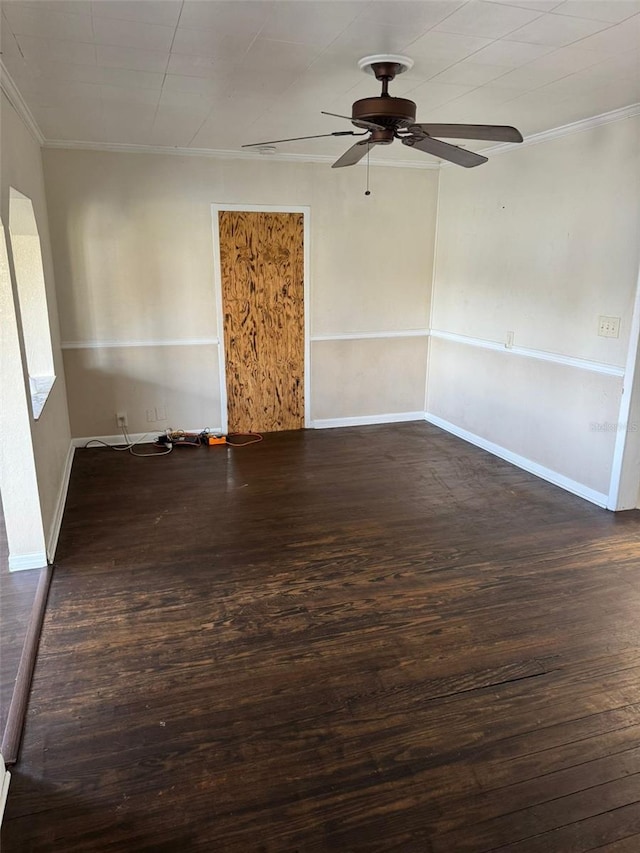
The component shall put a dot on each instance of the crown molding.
(8, 86)
(230, 154)
(18, 103)
(564, 130)
(279, 157)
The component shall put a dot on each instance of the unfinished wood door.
(261, 257)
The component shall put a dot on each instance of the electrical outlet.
(609, 327)
(161, 413)
(509, 341)
(151, 416)
(121, 419)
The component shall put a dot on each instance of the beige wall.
(184, 380)
(540, 241)
(539, 410)
(133, 246)
(40, 450)
(359, 378)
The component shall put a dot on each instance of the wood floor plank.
(527, 823)
(495, 802)
(604, 828)
(17, 594)
(630, 844)
(376, 639)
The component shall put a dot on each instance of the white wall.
(540, 241)
(18, 481)
(32, 297)
(132, 237)
(34, 454)
(5, 779)
(625, 491)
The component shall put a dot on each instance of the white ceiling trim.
(534, 139)
(18, 103)
(12, 92)
(565, 130)
(231, 154)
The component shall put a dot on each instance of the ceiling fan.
(385, 118)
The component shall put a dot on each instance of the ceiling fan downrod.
(385, 72)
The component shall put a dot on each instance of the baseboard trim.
(367, 420)
(4, 787)
(56, 524)
(37, 560)
(18, 707)
(137, 437)
(569, 485)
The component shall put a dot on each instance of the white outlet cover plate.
(609, 327)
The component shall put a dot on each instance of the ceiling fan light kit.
(384, 118)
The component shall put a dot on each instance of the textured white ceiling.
(213, 75)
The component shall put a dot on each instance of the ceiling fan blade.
(358, 122)
(444, 151)
(353, 154)
(493, 132)
(298, 138)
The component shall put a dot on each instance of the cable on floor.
(254, 437)
(130, 444)
(176, 438)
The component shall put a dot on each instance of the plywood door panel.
(261, 256)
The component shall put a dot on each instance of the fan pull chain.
(368, 191)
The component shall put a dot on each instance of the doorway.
(261, 256)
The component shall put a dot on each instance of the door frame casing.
(305, 210)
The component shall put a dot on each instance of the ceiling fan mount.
(385, 118)
(385, 65)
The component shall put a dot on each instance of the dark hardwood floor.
(17, 592)
(373, 639)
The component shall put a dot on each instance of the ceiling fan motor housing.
(387, 111)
